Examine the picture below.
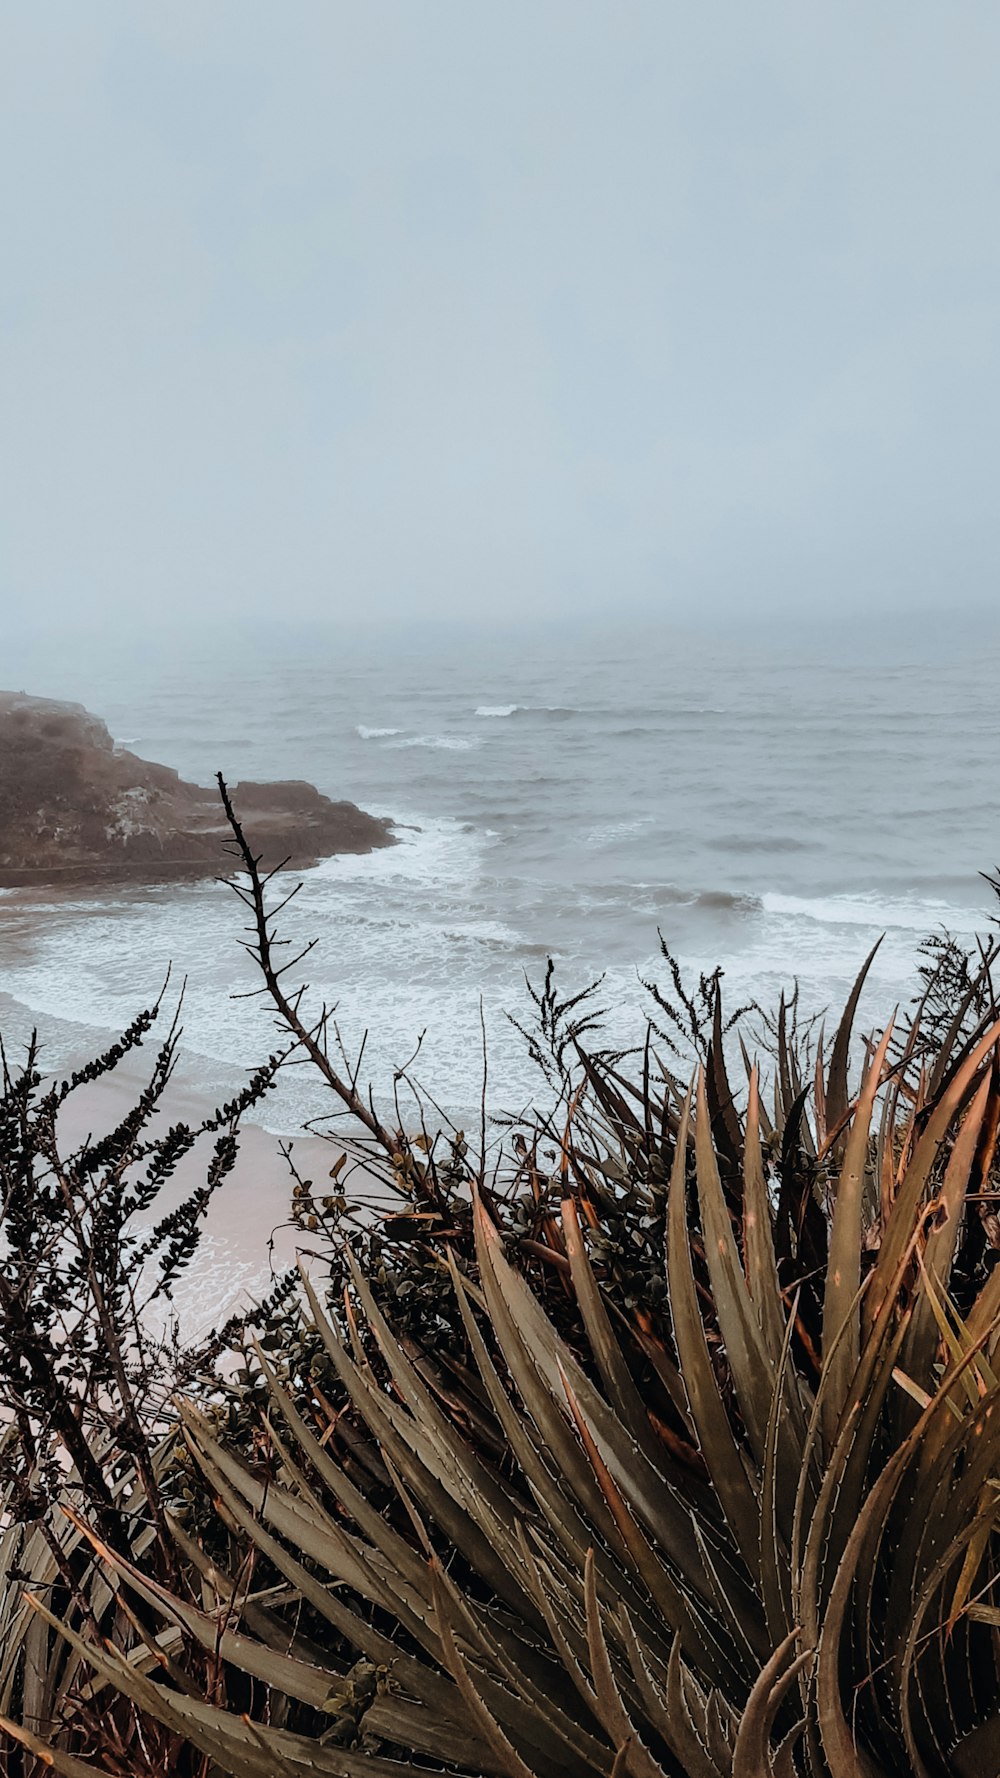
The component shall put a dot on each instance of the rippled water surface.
(775, 809)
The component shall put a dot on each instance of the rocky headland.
(76, 808)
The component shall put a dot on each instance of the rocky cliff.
(76, 808)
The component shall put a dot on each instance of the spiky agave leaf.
(813, 1595)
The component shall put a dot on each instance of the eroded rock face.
(74, 808)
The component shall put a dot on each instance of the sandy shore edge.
(245, 1239)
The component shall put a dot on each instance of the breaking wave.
(916, 916)
(450, 743)
(765, 843)
(556, 710)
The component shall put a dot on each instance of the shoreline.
(201, 1080)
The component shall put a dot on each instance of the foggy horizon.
(402, 315)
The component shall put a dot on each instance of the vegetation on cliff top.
(654, 1432)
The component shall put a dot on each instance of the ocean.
(771, 806)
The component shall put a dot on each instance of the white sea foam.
(919, 916)
(447, 743)
(218, 1284)
(426, 851)
(609, 833)
(375, 734)
(525, 710)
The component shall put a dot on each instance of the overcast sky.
(498, 307)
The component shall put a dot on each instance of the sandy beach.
(246, 1235)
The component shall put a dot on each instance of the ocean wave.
(609, 832)
(449, 743)
(877, 912)
(493, 934)
(718, 901)
(762, 843)
(648, 898)
(559, 711)
(428, 850)
(651, 720)
(375, 734)
(657, 721)
(729, 901)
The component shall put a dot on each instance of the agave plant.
(749, 1531)
(674, 1453)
